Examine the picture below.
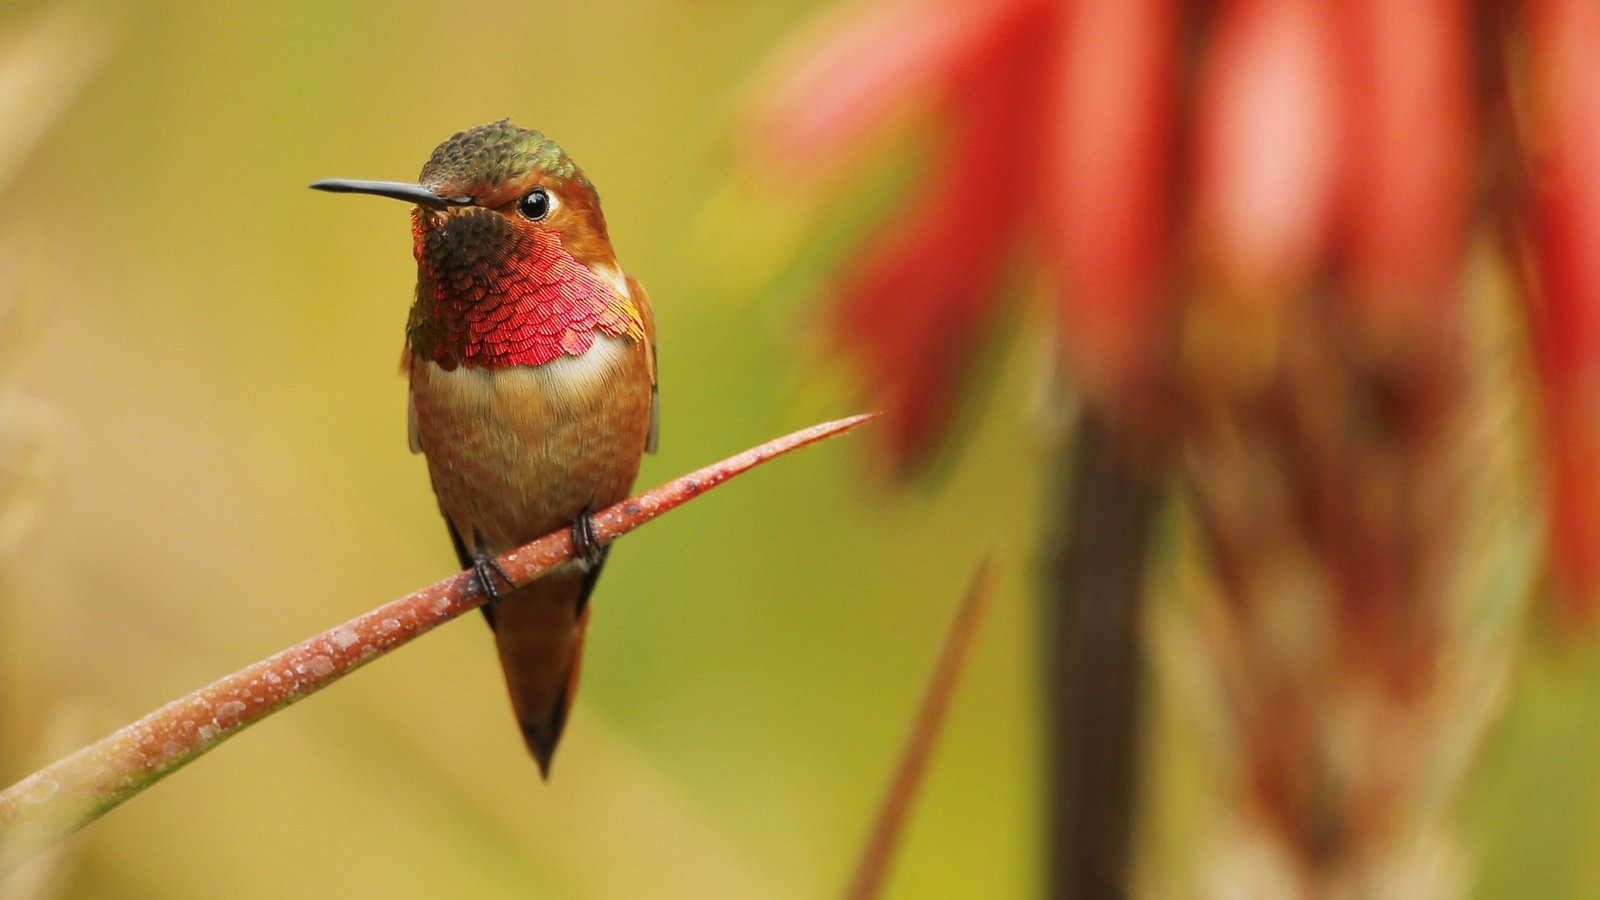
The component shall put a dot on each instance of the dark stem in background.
(1092, 606)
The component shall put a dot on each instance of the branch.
(61, 798)
(873, 866)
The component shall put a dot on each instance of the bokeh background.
(202, 460)
(210, 354)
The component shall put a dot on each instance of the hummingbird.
(531, 359)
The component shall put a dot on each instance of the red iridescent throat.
(491, 296)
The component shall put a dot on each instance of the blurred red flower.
(1187, 174)
(1564, 135)
(918, 297)
(1255, 218)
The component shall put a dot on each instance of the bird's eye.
(534, 206)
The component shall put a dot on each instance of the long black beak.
(399, 190)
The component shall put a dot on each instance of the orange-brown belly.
(516, 453)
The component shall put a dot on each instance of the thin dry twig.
(56, 801)
(879, 851)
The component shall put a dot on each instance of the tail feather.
(539, 631)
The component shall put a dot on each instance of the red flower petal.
(1106, 187)
(846, 76)
(1267, 146)
(915, 308)
(1407, 150)
(1566, 104)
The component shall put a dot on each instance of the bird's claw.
(586, 546)
(484, 570)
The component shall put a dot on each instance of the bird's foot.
(485, 568)
(586, 546)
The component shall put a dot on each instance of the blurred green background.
(218, 347)
(211, 353)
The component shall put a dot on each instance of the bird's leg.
(586, 546)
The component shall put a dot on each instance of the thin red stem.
(875, 859)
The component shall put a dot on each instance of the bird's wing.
(642, 299)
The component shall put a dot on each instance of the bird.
(531, 360)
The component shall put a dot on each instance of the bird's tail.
(539, 630)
